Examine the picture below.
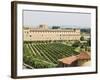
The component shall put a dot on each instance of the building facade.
(43, 33)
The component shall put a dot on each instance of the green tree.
(76, 44)
(89, 42)
(82, 38)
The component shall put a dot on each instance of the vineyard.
(45, 55)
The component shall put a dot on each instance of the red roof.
(83, 55)
(71, 59)
(68, 60)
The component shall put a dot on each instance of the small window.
(30, 35)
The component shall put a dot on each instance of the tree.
(76, 44)
(82, 38)
(89, 42)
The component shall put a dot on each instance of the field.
(45, 55)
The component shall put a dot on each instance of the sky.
(63, 19)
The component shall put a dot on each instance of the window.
(30, 35)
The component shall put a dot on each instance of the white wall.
(5, 43)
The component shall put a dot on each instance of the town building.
(43, 33)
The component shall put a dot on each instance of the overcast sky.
(68, 19)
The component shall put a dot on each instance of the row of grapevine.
(40, 55)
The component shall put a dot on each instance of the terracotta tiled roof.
(83, 55)
(71, 59)
(68, 60)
